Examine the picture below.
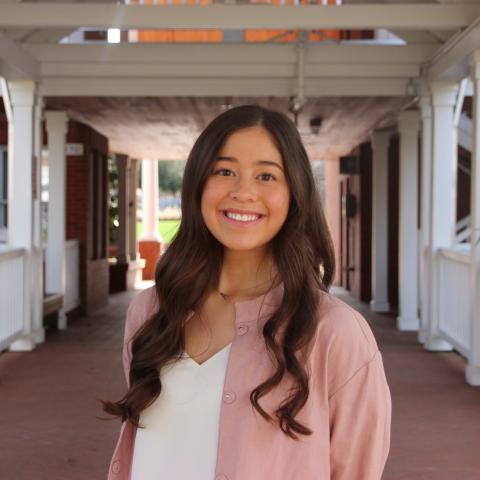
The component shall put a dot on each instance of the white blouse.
(179, 441)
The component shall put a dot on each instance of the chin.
(243, 247)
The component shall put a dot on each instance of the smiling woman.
(239, 363)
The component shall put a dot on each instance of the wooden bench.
(52, 304)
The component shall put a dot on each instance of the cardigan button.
(242, 329)
(116, 466)
(229, 397)
(221, 477)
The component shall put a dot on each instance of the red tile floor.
(50, 426)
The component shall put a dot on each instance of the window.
(3, 193)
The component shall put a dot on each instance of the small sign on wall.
(74, 149)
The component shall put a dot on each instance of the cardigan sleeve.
(360, 414)
(357, 392)
(127, 343)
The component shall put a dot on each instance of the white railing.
(454, 297)
(464, 133)
(71, 299)
(12, 275)
(463, 230)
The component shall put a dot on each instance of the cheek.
(210, 197)
(279, 202)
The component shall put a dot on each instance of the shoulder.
(344, 340)
(338, 321)
(140, 309)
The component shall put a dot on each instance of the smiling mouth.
(242, 217)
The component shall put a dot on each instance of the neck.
(247, 273)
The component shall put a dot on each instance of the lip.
(238, 223)
(241, 212)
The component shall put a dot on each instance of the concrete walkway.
(50, 426)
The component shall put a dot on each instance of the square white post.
(426, 169)
(20, 204)
(380, 140)
(38, 330)
(150, 200)
(408, 127)
(473, 367)
(442, 199)
(55, 261)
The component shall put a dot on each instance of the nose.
(243, 191)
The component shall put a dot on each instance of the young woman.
(239, 364)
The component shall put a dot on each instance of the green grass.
(167, 229)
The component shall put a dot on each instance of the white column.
(132, 209)
(55, 263)
(442, 199)
(473, 367)
(426, 169)
(123, 255)
(38, 330)
(20, 205)
(408, 127)
(380, 141)
(150, 200)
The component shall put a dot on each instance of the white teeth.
(242, 218)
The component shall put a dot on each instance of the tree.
(113, 220)
(170, 174)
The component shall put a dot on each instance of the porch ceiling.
(152, 100)
(418, 22)
(166, 128)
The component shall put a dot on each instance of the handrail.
(72, 242)
(463, 235)
(458, 255)
(463, 222)
(463, 230)
(8, 252)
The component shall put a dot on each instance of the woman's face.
(246, 198)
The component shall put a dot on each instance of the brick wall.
(94, 274)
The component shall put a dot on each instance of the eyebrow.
(260, 162)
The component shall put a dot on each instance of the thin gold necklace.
(228, 296)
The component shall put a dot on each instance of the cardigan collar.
(255, 309)
(258, 308)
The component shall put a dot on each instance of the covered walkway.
(50, 412)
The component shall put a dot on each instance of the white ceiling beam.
(224, 53)
(306, 17)
(200, 87)
(450, 61)
(15, 62)
(229, 70)
(38, 35)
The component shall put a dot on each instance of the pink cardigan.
(348, 409)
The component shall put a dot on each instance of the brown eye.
(223, 172)
(268, 177)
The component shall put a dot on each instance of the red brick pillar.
(150, 250)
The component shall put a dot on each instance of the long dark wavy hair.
(189, 269)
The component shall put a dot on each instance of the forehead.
(251, 143)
